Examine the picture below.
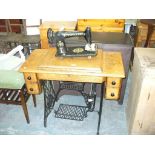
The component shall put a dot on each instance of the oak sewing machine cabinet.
(42, 68)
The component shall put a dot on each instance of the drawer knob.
(31, 89)
(112, 94)
(113, 82)
(29, 77)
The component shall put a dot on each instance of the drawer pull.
(31, 89)
(29, 77)
(112, 94)
(113, 83)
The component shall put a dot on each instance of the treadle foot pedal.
(72, 112)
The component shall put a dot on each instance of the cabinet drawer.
(112, 93)
(114, 82)
(32, 83)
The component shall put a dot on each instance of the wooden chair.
(12, 83)
(16, 97)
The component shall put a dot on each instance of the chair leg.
(34, 100)
(24, 106)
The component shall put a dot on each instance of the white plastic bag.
(11, 62)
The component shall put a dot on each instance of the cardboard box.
(140, 109)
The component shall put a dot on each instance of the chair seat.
(11, 79)
(10, 62)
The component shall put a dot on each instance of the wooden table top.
(105, 64)
(148, 21)
(57, 25)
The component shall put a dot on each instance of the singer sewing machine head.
(58, 39)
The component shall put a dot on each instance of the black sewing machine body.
(58, 39)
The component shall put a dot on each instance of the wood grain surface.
(106, 66)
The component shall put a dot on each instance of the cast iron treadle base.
(72, 86)
(72, 112)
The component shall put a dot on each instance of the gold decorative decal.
(78, 50)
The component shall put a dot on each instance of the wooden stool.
(151, 24)
(13, 90)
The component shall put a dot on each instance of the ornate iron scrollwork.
(49, 98)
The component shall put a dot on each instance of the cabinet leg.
(24, 106)
(100, 110)
(34, 100)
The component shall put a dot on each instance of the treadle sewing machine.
(58, 39)
(46, 65)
